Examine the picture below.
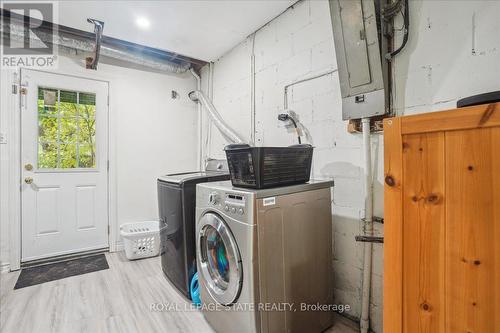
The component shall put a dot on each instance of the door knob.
(28, 180)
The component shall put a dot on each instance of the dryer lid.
(178, 178)
(219, 259)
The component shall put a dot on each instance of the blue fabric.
(195, 290)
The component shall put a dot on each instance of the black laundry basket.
(266, 167)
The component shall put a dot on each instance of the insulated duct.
(71, 39)
(227, 132)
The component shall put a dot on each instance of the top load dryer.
(176, 204)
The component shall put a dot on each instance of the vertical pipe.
(210, 88)
(252, 93)
(368, 228)
(200, 135)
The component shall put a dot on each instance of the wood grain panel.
(473, 230)
(442, 213)
(393, 228)
(486, 115)
(423, 233)
(495, 179)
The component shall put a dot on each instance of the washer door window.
(220, 260)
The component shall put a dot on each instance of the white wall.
(4, 176)
(438, 66)
(435, 70)
(153, 135)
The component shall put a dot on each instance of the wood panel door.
(423, 232)
(442, 210)
(473, 230)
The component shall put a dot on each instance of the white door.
(64, 156)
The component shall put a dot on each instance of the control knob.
(213, 198)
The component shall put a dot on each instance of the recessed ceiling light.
(142, 22)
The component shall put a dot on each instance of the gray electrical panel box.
(359, 63)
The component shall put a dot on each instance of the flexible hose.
(296, 129)
(227, 132)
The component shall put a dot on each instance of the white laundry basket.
(141, 239)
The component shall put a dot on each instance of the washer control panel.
(234, 204)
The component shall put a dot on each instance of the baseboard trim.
(119, 246)
(4, 267)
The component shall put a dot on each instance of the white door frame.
(15, 165)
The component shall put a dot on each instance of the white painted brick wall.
(436, 68)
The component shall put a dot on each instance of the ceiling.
(202, 29)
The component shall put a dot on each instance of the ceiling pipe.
(61, 40)
(227, 132)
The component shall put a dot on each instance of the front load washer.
(265, 255)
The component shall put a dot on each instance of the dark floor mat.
(60, 270)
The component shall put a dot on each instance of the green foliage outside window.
(66, 129)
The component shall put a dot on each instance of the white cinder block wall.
(436, 68)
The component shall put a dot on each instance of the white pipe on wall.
(252, 92)
(368, 228)
(210, 92)
(200, 133)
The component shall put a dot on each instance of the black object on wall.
(486, 98)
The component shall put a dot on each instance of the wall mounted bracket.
(369, 239)
(375, 219)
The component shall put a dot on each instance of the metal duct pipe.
(17, 33)
(164, 66)
(227, 132)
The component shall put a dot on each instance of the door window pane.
(86, 134)
(67, 156)
(86, 111)
(47, 99)
(68, 103)
(47, 155)
(87, 99)
(66, 129)
(47, 129)
(87, 156)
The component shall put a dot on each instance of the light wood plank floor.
(114, 300)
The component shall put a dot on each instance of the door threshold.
(64, 257)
